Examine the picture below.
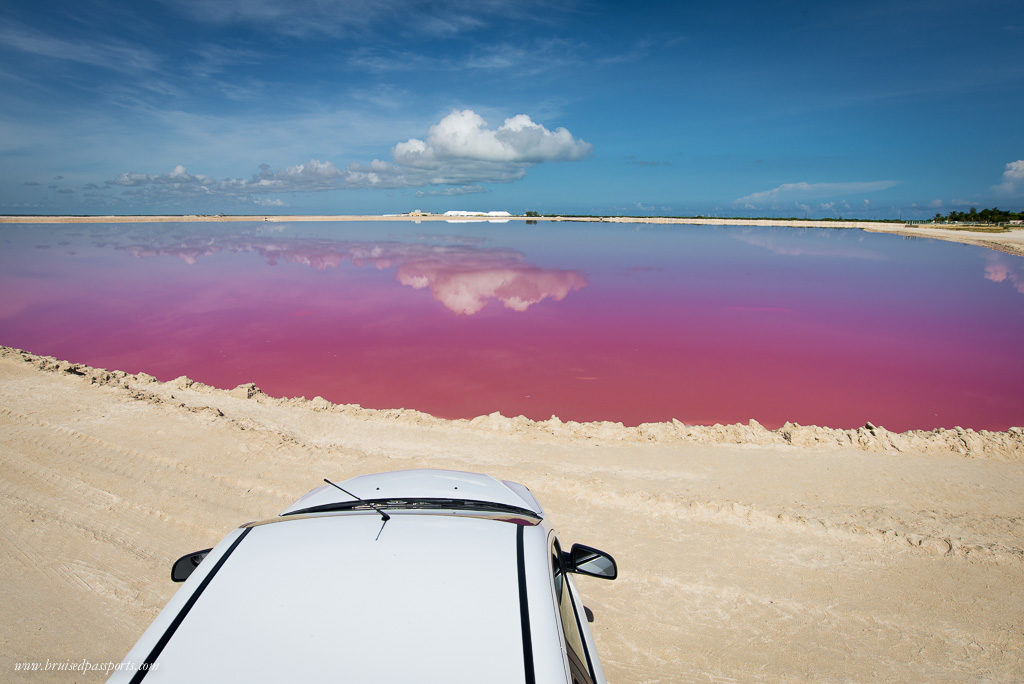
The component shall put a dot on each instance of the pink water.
(583, 321)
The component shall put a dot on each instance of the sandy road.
(737, 562)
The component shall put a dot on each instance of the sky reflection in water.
(585, 321)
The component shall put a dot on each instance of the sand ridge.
(1007, 444)
(843, 558)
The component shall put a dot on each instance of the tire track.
(865, 526)
(131, 458)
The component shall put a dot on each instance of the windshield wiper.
(383, 516)
(418, 504)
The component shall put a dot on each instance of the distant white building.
(497, 214)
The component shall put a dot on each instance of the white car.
(410, 576)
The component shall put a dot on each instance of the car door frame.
(590, 669)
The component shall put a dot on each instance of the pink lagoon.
(586, 321)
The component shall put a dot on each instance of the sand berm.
(802, 553)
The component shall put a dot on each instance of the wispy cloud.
(377, 60)
(213, 59)
(178, 176)
(108, 55)
(305, 18)
(518, 59)
(382, 95)
(796, 192)
(816, 245)
(452, 191)
(638, 51)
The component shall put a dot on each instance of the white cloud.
(797, 192)
(1013, 178)
(463, 136)
(1014, 171)
(460, 151)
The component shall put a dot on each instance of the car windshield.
(419, 504)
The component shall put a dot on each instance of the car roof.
(324, 598)
(423, 483)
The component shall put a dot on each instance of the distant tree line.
(992, 215)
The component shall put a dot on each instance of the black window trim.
(583, 636)
(524, 608)
(556, 548)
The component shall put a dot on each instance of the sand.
(744, 553)
(1011, 242)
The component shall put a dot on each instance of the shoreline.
(1002, 445)
(1011, 242)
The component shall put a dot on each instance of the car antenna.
(383, 516)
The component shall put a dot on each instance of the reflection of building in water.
(461, 277)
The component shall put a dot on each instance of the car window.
(556, 566)
(570, 624)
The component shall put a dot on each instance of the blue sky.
(856, 109)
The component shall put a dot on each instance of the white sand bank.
(1011, 242)
(741, 555)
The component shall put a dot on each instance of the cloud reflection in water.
(462, 278)
(998, 270)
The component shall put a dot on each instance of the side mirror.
(586, 560)
(184, 566)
